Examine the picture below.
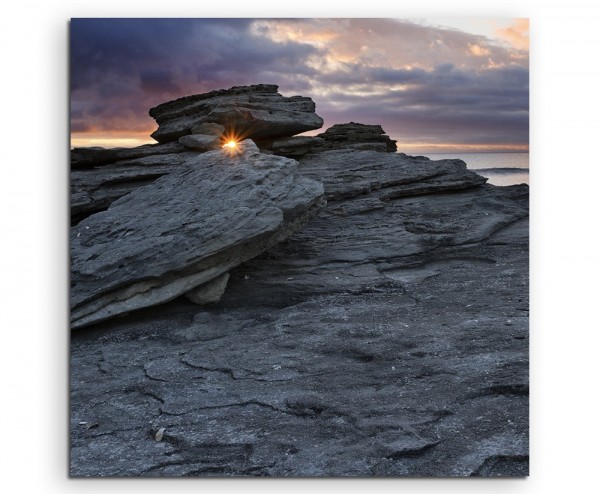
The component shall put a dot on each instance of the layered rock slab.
(357, 136)
(362, 245)
(94, 189)
(94, 156)
(257, 112)
(294, 147)
(187, 228)
(348, 173)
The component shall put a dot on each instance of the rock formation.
(357, 136)
(256, 112)
(384, 334)
(100, 176)
(350, 173)
(94, 189)
(182, 231)
(350, 136)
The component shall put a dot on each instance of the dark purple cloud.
(423, 84)
(115, 62)
(158, 81)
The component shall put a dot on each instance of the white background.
(565, 192)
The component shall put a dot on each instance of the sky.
(434, 85)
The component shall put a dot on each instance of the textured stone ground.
(385, 338)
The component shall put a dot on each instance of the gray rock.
(258, 112)
(210, 292)
(201, 142)
(362, 246)
(294, 147)
(209, 128)
(160, 241)
(371, 342)
(380, 147)
(94, 189)
(94, 156)
(348, 173)
(357, 136)
(397, 363)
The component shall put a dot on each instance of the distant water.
(499, 168)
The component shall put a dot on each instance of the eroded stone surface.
(373, 342)
(210, 292)
(348, 173)
(184, 230)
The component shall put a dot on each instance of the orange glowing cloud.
(479, 51)
(517, 34)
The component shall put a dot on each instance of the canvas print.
(299, 248)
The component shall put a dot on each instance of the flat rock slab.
(257, 112)
(94, 156)
(94, 189)
(349, 173)
(185, 229)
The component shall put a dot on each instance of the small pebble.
(508, 322)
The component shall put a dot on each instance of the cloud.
(517, 34)
(158, 81)
(130, 65)
(422, 83)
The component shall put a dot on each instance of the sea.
(499, 168)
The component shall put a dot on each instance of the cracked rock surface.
(386, 337)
